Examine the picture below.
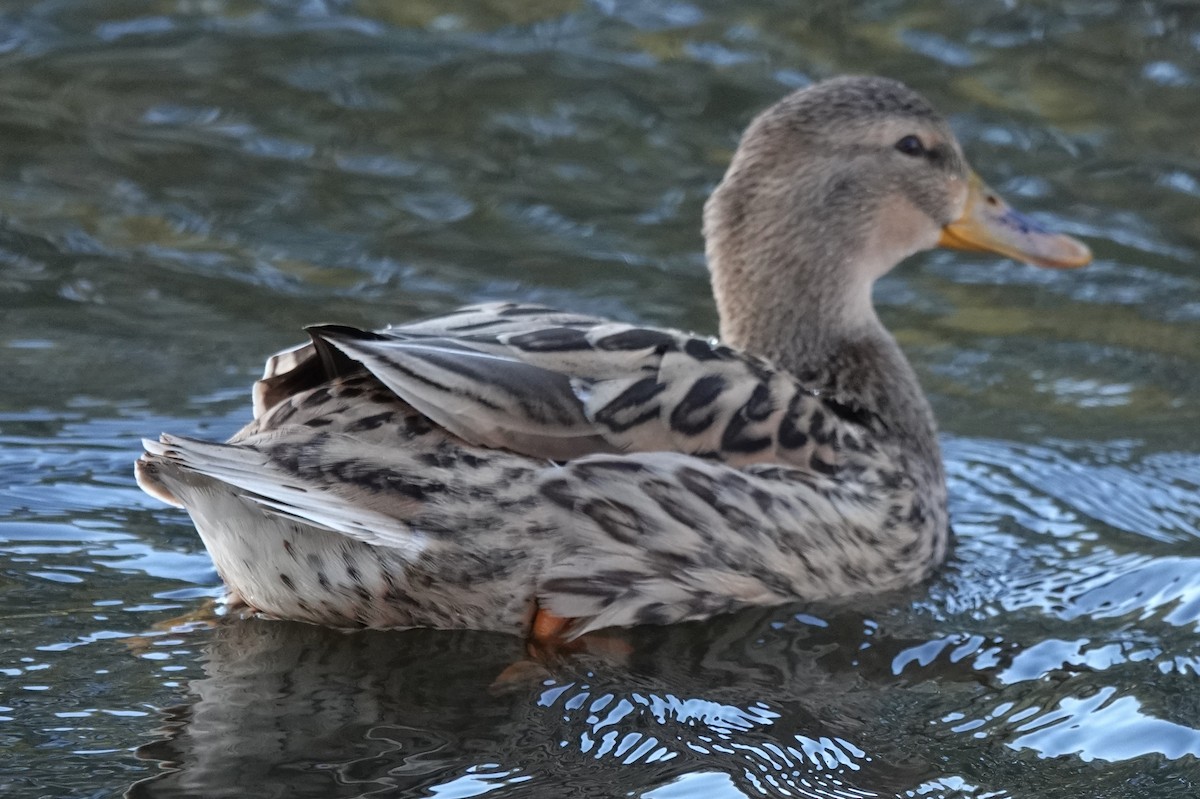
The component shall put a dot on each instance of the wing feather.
(555, 385)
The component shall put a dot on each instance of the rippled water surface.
(185, 183)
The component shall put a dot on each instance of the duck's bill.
(989, 224)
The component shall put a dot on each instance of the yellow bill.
(991, 225)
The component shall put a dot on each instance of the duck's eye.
(911, 145)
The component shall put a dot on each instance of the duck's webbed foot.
(550, 642)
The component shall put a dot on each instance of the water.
(184, 184)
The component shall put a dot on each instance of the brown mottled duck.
(518, 468)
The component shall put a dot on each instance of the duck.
(515, 468)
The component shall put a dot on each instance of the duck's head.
(832, 187)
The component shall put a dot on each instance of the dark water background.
(185, 183)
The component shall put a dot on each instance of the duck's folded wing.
(307, 365)
(485, 398)
(561, 386)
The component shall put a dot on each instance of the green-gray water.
(186, 183)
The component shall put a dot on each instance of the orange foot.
(550, 635)
(201, 617)
(549, 642)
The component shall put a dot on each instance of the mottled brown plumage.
(465, 470)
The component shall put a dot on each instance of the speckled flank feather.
(463, 471)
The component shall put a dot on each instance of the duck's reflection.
(296, 710)
(763, 703)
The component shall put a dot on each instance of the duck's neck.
(825, 333)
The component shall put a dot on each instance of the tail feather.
(165, 469)
(148, 471)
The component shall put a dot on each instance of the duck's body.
(466, 471)
(677, 479)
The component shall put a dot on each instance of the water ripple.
(1157, 496)
(183, 186)
(1105, 727)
